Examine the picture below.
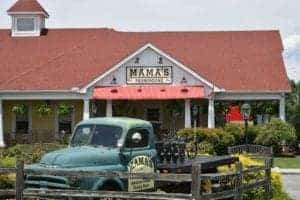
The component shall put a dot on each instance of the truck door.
(141, 148)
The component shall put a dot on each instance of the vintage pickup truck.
(112, 144)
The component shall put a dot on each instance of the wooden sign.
(140, 164)
(149, 75)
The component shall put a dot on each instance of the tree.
(293, 106)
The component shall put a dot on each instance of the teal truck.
(112, 144)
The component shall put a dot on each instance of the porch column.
(56, 123)
(211, 114)
(86, 109)
(282, 107)
(109, 108)
(1, 125)
(187, 113)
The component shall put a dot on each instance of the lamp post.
(246, 111)
(195, 113)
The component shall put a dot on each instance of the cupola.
(27, 18)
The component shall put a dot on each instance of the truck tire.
(110, 186)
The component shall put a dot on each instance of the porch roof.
(148, 92)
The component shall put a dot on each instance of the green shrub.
(7, 180)
(226, 140)
(237, 130)
(258, 193)
(212, 141)
(275, 133)
(28, 152)
(205, 147)
(271, 134)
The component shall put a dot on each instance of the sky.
(179, 15)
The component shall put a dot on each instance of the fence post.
(196, 181)
(20, 180)
(239, 181)
(268, 164)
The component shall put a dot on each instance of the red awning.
(148, 92)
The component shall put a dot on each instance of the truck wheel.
(109, 188)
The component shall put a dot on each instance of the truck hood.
(81, 157)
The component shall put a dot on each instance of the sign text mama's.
(149, 75)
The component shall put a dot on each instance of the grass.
(287, 163)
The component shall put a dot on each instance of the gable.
(149, 67)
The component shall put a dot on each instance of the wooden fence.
(229, 185)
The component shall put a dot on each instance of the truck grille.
(44, 181)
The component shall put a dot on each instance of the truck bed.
(209, 164)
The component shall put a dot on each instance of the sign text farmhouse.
(149, 75)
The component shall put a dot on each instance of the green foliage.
(271, 134)
(217, 140)
(205, 147)
(236, 130)
(258, 193)
(213, 141)
(28, 152)
(43, 109)
(19, 109)
(7, 181)
(293, 106)
(64, 109)
(276, 133)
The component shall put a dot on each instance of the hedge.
(216, 141)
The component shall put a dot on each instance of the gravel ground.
(291, 184)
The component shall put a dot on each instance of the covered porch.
(181, 106)
(170, 114)
(167, 106)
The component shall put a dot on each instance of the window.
(153, 114)
(65, 123)
(82, 135)
(107, 136)
(98, 135)
(22, 122)
(144, 141)
(25, 24)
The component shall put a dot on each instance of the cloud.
(292, 56)
(292, 42)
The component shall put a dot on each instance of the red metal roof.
(148, 92)
(27, 6)
(67, 58)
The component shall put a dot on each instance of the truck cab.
(98, 144)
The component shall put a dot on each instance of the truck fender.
(102, 181)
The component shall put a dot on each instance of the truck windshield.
(96, 135)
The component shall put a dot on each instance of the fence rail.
(196, 179)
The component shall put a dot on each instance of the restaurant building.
(52, 78)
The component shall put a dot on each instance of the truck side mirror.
(136, 138)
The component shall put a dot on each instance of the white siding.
(150, 58)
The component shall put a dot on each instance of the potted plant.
(43, 109)
(19, 109)
(64, 109)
